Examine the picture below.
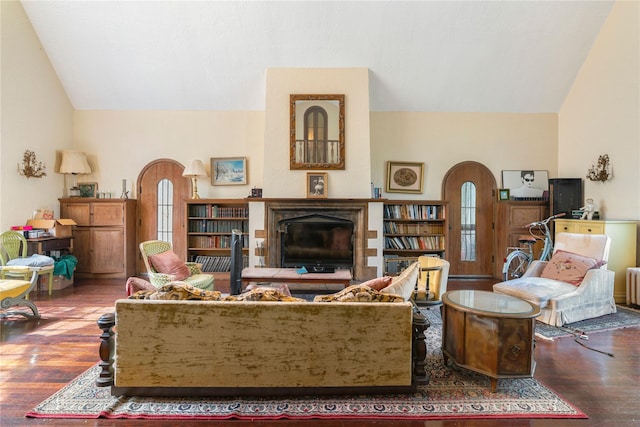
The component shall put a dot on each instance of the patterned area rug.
(625, 317)
(451, 393)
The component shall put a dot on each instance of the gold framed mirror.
(316, 132)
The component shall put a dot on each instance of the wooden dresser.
(511, 218)
(105, 237)
(623, 246)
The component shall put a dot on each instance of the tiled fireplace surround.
(355, 210)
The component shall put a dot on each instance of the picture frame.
(526, 184)
(404, 177)
(317, 185)
(228, 170)
(88, 189)
(316, 132)
(503, 194)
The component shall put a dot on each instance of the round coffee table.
(489, 333)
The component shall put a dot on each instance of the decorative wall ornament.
(601, 171)
(31, 167)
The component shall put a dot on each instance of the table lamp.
(74, 163)
(194, 171)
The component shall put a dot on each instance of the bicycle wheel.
(515, 265)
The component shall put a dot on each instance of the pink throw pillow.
(378, 283)
(568, 267)
(169, 263)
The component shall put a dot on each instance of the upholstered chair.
(432, 280)
(164, 266)
(574, 285)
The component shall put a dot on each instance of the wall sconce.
(600, 171)
(31, 167)
(194, 171)
(74, 163)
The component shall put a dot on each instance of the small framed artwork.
(503, 194)
(404, 177)
(526, 184)
(317, 185)
(88, 189)
(228, 170)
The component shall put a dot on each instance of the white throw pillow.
(405, 283)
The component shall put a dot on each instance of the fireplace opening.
(316, 240)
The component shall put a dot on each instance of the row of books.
(413, 211)
(429, 243)
(215, 211)
(218, 263)
(391, 227)
(212, 226)
(215, 242)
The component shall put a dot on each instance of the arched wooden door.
(162, 191)
(469, 188)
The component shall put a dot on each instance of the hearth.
(340, 213)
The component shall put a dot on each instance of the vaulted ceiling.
(452, 56)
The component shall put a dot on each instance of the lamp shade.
(195, 170)
(74, 162)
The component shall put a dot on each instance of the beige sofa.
(175, 348)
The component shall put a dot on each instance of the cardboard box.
(55, 227)
(58, 283)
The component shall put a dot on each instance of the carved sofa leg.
(419, 348)
(106, 322)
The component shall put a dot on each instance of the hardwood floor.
(38, 357)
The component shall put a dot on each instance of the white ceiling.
(453, 56)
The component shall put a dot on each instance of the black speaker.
(236, 262)
(565, 195)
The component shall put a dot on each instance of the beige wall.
(601, 115)
(36, 115)
(442, 140)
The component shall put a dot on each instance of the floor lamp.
(194, 171)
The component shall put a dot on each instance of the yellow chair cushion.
(13, 288)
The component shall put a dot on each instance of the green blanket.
(64, 266)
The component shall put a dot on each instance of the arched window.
(165, 210)
(468, 221)
(315, 135)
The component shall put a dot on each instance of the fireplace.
(317, 241)
(325, 214)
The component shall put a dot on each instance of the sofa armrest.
(597, 285)
(535, 269)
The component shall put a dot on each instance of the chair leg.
(50, 282)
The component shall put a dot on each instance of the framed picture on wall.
(526, 184)
(404, 177)
(228, 170)
(503, 194)
(317, 185)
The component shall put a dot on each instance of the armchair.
(432, 281)
(15, 292)
(546, 283)
(13, 251)
(164, 266)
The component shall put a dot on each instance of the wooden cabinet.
(511, 218)
(413, 228)
(105, 236)
(622, 254)
(209, 226)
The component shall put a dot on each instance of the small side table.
(489, 333)
(44, 245)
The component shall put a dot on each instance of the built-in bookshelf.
(209, 226)
(412, 228)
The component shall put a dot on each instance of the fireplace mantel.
(355, 210)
